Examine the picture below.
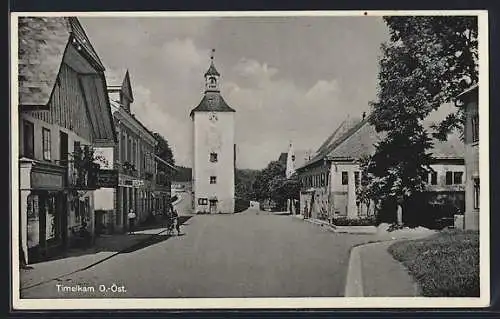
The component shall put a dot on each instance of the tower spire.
(212, 76)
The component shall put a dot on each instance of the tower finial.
(212, 55)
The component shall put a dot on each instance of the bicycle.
(170, 226)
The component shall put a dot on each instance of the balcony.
(129, 169)
(82, 177)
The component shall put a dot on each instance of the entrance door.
(63, 215)
(213, 206)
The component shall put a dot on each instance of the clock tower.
(213, 149)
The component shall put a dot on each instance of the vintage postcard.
(212, 160)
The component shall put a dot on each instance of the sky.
(290, 79)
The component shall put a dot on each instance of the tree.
(427, 62)
(262, 184)
(244, 179)
(163, 151)
(440, 57)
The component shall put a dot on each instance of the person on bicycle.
(177, 222)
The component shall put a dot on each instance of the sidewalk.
(105, 247)
(373, 272)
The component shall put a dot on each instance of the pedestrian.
(131, 220)
(177, 222)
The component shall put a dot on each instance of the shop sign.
(49, 181)
(137, 183)
(107, 178)
(131, 182)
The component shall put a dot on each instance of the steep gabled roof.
(362, 142)
(82, 39)
(212, 102)
(361, 139)
(343, 131)
(42, 45)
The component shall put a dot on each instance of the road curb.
(354, 280)
(94, 263)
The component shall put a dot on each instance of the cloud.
(158, 119)
(271, 111)
(322, 90)
(254, 73)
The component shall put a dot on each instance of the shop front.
(43, 209)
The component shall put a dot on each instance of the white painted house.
(213, 150)
(330, 179)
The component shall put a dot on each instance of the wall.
(344, 196)
(441, 170)
(55, 159)
(471, 218)
(214, 137)
(104, 197)
(68, 109)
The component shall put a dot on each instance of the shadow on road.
(123, 243)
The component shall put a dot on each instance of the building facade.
(330, 180)
(213, 150)
(63, 114)
(471, 137)
(133, 156)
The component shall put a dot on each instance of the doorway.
(213, 206)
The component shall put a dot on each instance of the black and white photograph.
(194, 160)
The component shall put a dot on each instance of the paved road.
(251, 254)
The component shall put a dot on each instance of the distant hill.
(183, 174)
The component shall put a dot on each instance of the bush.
(365, 221)
(445, 265)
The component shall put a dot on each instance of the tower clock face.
(212, 117)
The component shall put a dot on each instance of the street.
(251, 254)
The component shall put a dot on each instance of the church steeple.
(212, 76)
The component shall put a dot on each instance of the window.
(46, 144)
(122, 147)
(129, 150)
(202, 201)
(28, 139)
(323, 179)
(134, 154)
(434, 178)
(345, 178)
(457, 177)
(476, 193)
(449, 178)
(356, 179)
(475, 128)
(213, 179)
(213, 157)
(425, 178)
